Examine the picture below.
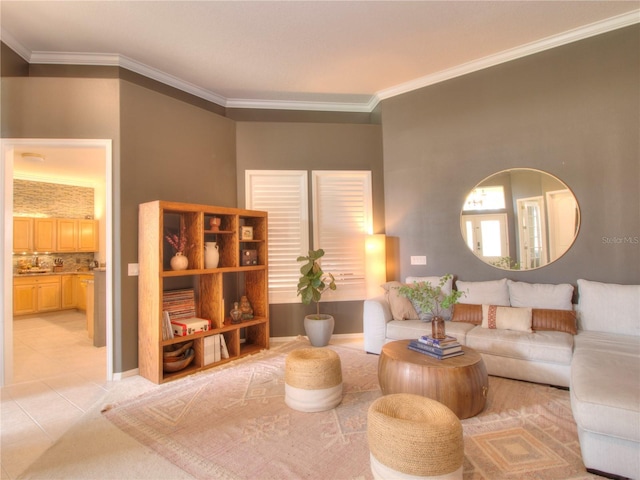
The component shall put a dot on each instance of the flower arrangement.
(429, 298)
(178, 243)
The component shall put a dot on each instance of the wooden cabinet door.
(44, 235)
(67, 235)
(87, 236)
(49, 296)
(22, 234)
(68, 291)
(25, 299)
(82, 291)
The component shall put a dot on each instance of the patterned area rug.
(232, 423)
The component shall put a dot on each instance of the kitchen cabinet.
(67, 232)
(44, 235)
(82, 285)
(36, 294)
(22, 234)
(54, 235)
(87, 236)
(77, 235)
(69, 291)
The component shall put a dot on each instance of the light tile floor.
(58, 375)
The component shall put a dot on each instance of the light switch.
(419, 260)
(133, 269)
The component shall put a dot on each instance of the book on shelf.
(215, 348)
(167, 328)
(442, 352)
(438, 342)
(224, 352)
(179, 303)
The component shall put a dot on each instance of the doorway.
(8, 152)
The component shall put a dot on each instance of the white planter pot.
(319, 331)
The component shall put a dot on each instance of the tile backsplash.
(43, 199)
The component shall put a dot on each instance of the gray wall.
(572, 111)
(170, 150)
(313, 146)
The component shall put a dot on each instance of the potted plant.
(312, 284)
(431, 299)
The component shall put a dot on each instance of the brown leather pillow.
(557, 320)
(542, 318)
(468, 313)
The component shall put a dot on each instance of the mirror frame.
(509, 226)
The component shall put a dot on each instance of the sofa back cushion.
(541, 295)
(401, 308)
(493, 292)
(609, 307)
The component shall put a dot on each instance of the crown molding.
(565, 38)
(70, 58)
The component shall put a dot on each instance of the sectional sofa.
(534, 332)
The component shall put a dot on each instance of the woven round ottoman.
(414, 437)
(312, 379)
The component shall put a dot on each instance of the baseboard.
(606, 475)
(129, 373)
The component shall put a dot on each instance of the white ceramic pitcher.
(211, 255)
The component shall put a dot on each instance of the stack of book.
(438, 348)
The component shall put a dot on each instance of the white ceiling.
(323, 55)
(312, 55)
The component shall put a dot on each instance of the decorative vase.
(235, 314)
(179, 262)
(211, 255)
(214, 223)
(437, 327)
(319, 330)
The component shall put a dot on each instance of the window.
(485, 198)
(342, 217)
(284, 195)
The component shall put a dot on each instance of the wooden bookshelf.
(211, 285)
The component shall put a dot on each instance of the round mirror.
(520, 219)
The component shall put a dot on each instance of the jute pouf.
(413, 437)
(313, 379)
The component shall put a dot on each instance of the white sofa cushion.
(605, 392)
(541, 295)
(493, 292)
(608, 307)
(545, 347)
(506, 318)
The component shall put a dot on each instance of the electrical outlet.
(133, 269)
(419, 260)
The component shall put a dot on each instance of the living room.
(571, 111)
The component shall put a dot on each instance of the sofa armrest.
(375, 316)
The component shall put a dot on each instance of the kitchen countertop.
(44, 274)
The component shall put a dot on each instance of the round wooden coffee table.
(461, 383)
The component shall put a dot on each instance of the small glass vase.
(235, 314)
(437, 328)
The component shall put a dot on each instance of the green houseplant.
(431, 299)
(312, 284)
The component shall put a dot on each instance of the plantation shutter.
(342, 217)
(284, 195)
